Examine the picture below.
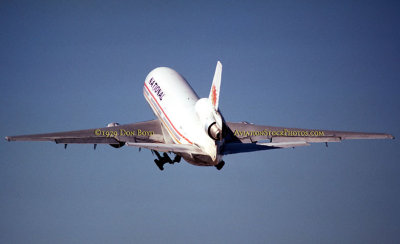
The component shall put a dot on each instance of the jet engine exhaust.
(214, 132)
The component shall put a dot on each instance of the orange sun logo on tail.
(213, 95)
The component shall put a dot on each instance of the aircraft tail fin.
(214, 92)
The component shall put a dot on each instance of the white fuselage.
(173, 102)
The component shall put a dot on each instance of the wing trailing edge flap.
(281, 139)
(175, 148)
(285, 144)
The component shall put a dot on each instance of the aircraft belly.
(198, 159)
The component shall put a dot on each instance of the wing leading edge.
(148, 131)
(246, 137)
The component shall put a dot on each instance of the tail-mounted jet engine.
(119, 144)
(211, 119)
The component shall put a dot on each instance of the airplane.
(193, 128)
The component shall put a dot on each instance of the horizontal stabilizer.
(233, 148)
(175, 148)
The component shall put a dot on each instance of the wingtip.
(389, 136)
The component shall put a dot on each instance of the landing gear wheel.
(166, 158)
(159, 164)
(220, 165)
(177, 159)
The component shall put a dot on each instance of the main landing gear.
(161, 160)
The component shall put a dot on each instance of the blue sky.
(68, 65)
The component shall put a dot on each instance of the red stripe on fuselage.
(165, 114)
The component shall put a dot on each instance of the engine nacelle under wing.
(120, 144)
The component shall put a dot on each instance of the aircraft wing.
(148, 131)
(247, 137)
